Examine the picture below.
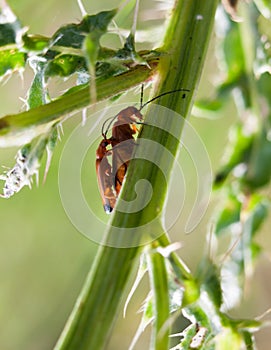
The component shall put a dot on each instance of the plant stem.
(73, 101)
(95, 311)
(159, 284)
(186, 42)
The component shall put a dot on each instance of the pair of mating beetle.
(110, 178)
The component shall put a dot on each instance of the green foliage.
(75, 50)
(11, 58)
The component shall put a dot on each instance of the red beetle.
(110, 179)
(122, 142)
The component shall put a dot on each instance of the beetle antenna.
(141, 96)
(142, 105)
(105, 131)
(156, 97)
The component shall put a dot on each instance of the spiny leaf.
(73, 35)
(37, 94)
(194, 337)
(146, 319)
(27, 165)
(186, 337)
(129, 52)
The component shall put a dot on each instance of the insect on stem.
(104, 132)
(110, 178)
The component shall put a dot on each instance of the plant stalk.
(74, 101)
(186, 41)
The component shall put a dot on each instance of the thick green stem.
(95, 310)
(186, 41)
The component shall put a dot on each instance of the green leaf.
(209, 106)
(234, 60)
(195, 314)
(11, 60)
(147, 318)
(229, 214)
(97, 23)
(53, 136)
(35, 43)
(256, 212)
(37, 94)
(187, 334)
(129, 51)
(8, 33)
(259, 165)
(249, 340)
(194, 337)
(9, 25)
(73, 35)
(183, 276)
(256, 250)
(208, 276)
(243, 325)
(238, 151)
(240, 261)
(233, 51)
(91, 44)
(191, 292)
(65, 65)
(264, 88)
(70, 35)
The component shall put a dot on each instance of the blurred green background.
(44, 259)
